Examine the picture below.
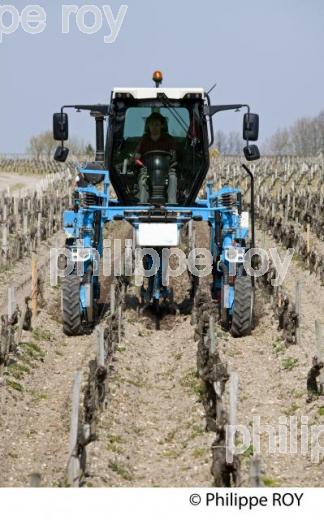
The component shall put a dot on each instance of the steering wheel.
(159, 157)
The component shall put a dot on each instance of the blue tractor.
(156, 157)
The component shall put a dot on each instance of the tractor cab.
(157, 145)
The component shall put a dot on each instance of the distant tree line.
(304, 137)
(228, 144)
(42, 146)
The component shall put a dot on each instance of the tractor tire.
(71, 306)
(242, 317)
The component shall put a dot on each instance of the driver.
(156, 138)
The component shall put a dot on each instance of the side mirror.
(250, 127)
(60, 126)
(251, 152)
(61, 154)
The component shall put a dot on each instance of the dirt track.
(152, 433)
(16, 182)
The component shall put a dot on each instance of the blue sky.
(268, 53)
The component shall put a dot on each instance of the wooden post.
(16, 205)
(233, 395)
(11, 301)
(20, 325)
(34, 285)
(35, 480)
(255, 471)
(5, 243)
(128, 267)
(320, 351)
(39, 228)
(73, 462)
(190, 226)
(16, 213)
(50, 219)
(287, 208)
(219, 401)
(298, 309)
(25, 224)
(232, 418)
(5, 212)
(112, 298)
(100, 346)
(60, 215)
(212, 335)
(308, 237)
(119, 322)
(273, 209)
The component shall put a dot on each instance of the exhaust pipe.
(100, 136)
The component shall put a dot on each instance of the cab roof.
(152, 92)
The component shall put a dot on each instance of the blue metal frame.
(79, 225)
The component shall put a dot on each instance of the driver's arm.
(140, 148)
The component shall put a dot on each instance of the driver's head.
(155, 124)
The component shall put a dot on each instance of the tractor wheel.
(242, 317)
(71, 306)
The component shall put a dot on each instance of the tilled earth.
(152, 432)
(35, 403)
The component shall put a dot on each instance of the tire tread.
(71, 306)
(241, 318)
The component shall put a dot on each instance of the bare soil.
(35, 416)
(152, 432)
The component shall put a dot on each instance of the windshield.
(140, 129)
(136, 117)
